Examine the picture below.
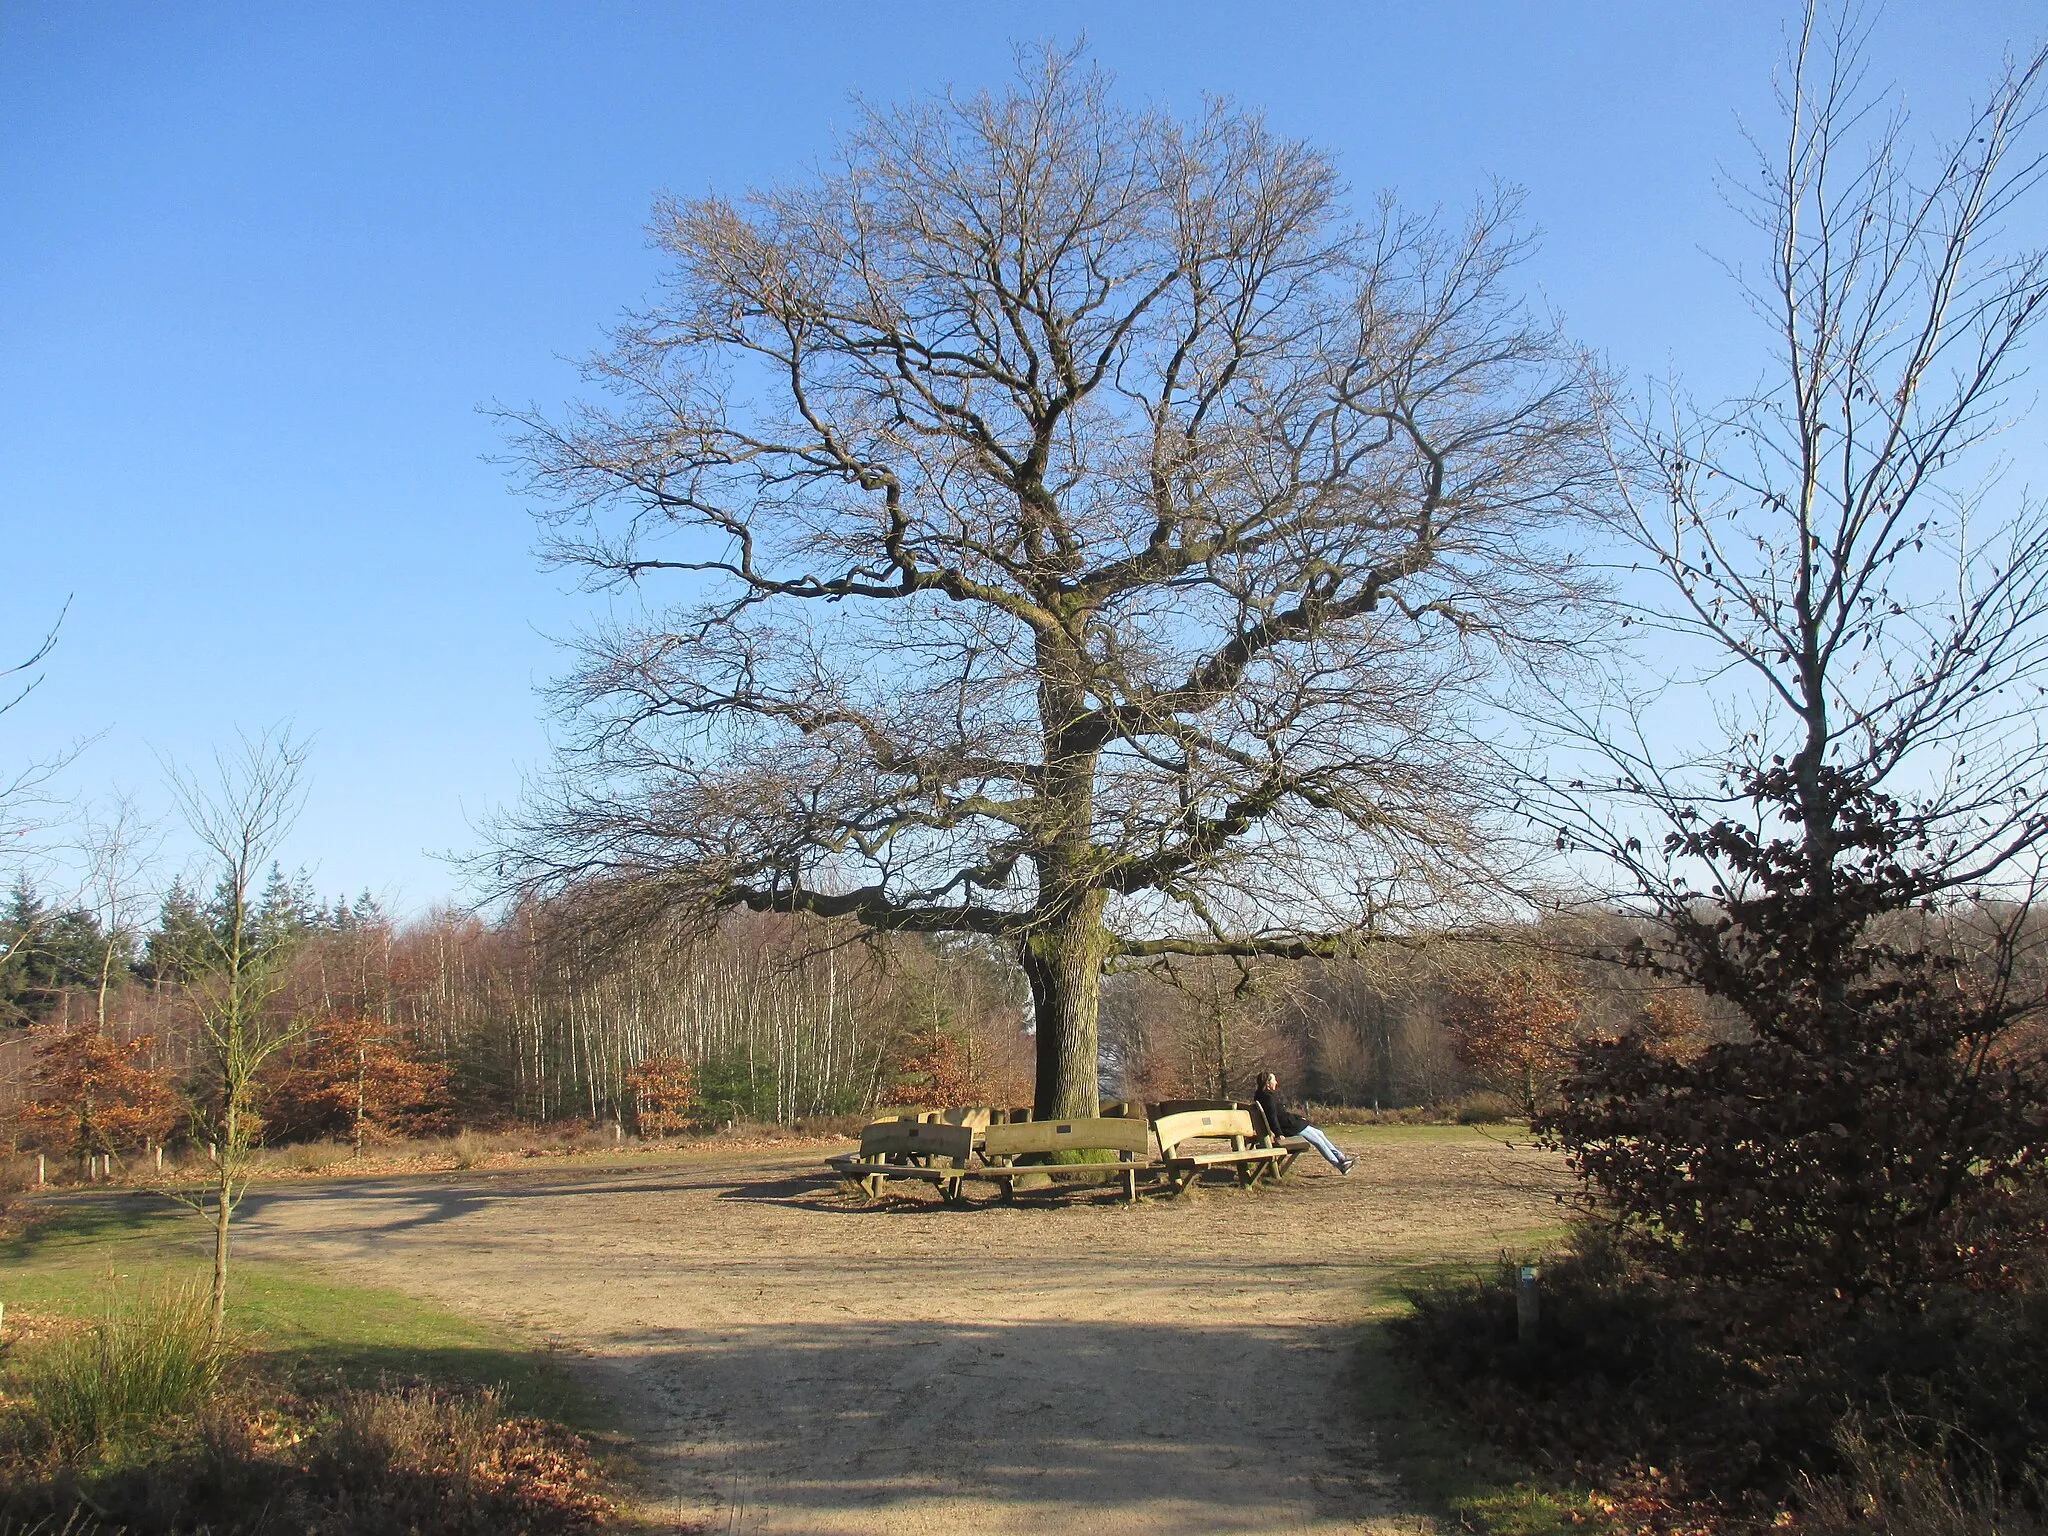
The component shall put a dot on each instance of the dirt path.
(791, 1362)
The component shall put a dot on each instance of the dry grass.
(1894, 1485)
(414, 1459)
(467, 1149)
(401, 1460)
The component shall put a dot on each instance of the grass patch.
(1441, 1462)
(335, 1410)
(146, 1359)
(306, 1331)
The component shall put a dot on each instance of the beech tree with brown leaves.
(356, 1078)
(1519, 1030)
(90, 1094)
(1087, 534)
(664, 1092)
(1854, 867)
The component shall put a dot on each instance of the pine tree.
(20, 925)
(176, 949)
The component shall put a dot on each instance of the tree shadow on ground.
(922, 1424)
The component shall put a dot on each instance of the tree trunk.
(1063, 963)
(217, 1299)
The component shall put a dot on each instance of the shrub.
(148, 1359)
(358, 1080)
(1871, 1139)
(1630, 1369)
(1518, 1030)
(416, 1459)
(1486, 1109)
(1893, 1484)
(664, 1090)
(89, 1093)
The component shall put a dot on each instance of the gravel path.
(789, 1361)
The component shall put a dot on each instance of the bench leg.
(1131, 1185)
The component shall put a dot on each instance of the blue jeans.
(1322, 1144)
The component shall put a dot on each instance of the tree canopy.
(1062, 523)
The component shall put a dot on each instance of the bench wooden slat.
(1194, 1124)
(1167, 1107)
(1234, 1155)
(857, 1168)
(1040, 1136)
(917, 1138)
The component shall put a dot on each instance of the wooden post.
(41, 1178)
(1528, 1306)
(159, 1157)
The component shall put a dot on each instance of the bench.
(1129, 1136)
(1243, 1157)
(927, 1150)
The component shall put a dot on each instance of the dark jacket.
(1281, 1120)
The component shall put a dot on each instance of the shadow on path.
(1000, 1425)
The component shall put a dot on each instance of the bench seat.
(1188, 1145)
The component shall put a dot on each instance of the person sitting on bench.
(1282, 1121)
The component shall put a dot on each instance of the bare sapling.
(239, 813)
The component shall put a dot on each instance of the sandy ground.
(792, 1361)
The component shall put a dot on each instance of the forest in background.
(544, 1017)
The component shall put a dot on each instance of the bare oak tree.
(1082, 531)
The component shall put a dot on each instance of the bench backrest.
(1100, 1135)
(920, 1138)
(1181, 1106)
(972, 1118)
(1194, 1124)
(1125, 1109)
(890, 1114)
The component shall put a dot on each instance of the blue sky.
(261, 266)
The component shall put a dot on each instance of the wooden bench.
(1183, 1166)
(1130, 1137)
(926, 1150)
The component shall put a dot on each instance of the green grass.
(147, 1358)
(294, 1324)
